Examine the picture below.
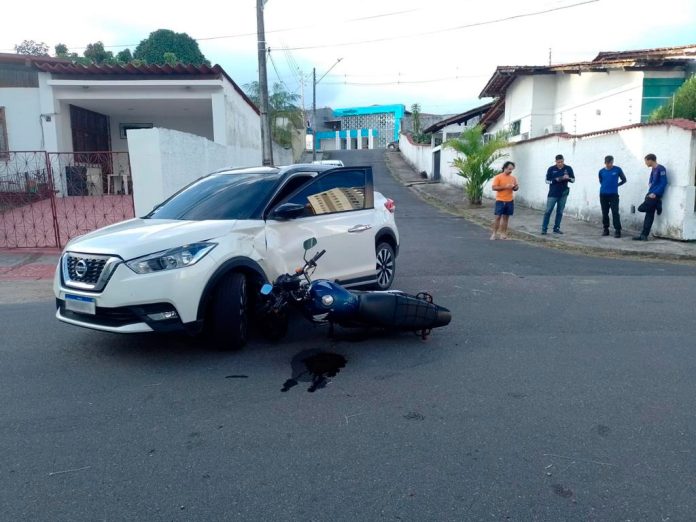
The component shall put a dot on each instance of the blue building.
(370, 127)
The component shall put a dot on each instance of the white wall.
(675, 149)
(581, 103)
(518, 102)
(163, 161)
(243, 127)
(281, 155)
(420, 157)
(22, 110)
(598, 100)
(202, 127)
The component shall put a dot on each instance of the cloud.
(418, 41)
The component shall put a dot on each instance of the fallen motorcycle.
(326, 302)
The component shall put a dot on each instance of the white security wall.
(243, 127)
(281, 155)
(674, 147)
(420, 157)
(163, 161)
(22, 111)
(202, 127)
(448, 173)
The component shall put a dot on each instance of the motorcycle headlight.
(181, 257)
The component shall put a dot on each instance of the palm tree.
(478, 155)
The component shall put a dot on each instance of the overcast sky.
(410, 51)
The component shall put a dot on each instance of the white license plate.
(78, 303)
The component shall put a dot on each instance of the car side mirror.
(287, 211)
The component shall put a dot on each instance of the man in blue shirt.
(557, 177)
(653, 200)
(611, 177)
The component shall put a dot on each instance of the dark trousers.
(650, 216)
(610, 201)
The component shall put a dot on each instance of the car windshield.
(218, 196)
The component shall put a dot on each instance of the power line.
(245, 35)
(446, 30)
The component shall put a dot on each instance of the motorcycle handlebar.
(317, 256)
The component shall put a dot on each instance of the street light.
(314, 105)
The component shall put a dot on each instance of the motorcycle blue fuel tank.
(329, 297)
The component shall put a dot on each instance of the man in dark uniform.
(557, 176)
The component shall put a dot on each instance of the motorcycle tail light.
(390, 205)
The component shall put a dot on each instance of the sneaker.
(557, 231)
(640, 238)
(605, 232)
(617, 233)
(544, 232)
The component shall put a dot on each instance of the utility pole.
(314, 113)
(314, 106)
(266, 138)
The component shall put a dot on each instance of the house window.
(4, 146)
(515, 128)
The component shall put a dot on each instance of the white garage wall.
(164, 160)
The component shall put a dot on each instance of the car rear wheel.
(229, 314)
(386, 266)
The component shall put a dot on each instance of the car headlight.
(181, 257)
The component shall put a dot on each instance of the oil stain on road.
(314, 366)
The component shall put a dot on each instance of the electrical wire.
(244, 35)
(446, 30)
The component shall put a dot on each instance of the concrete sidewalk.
(579, 236)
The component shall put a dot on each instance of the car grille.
(87, 271)
(90, 269)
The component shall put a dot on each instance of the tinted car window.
(219, 196)
(337, 192)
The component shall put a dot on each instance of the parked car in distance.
(196, 261)
(332, 162)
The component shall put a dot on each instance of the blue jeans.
(551, 202)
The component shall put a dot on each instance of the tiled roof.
(682, 51)
(459, 118)
(130, 69)
(29, 59)
(659, 58)
(135, 72)
(495, 112)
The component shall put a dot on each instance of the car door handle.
(359, 228)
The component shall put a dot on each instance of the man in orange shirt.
(504, 184)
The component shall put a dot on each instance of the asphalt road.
(562, 390)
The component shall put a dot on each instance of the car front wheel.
(230, 312)
(386, 266)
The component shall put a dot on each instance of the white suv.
(198, 259)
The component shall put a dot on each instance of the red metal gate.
(48, 198)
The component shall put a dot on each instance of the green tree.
(61, 50)
(153, 48)
(170, 59)
(478, 155)
(415, 114)
(283, 111)
(124, 56)
(32, 48)
(682, 105)
(97, 54)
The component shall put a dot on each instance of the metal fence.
(48, 198)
